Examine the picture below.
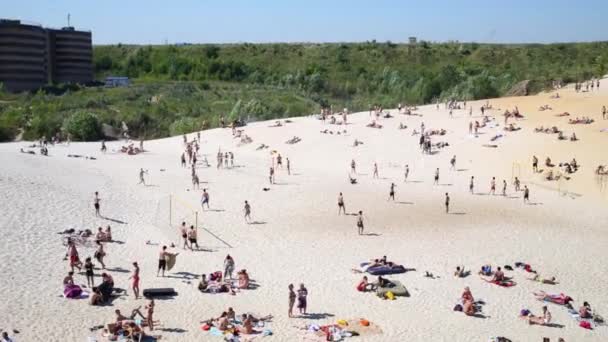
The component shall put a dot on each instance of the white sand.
(303, 239)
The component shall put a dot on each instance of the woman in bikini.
(135, 277)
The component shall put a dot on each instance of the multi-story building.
(32, 56)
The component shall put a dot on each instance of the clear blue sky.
(229, 21)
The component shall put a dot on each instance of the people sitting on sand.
(548, 162)
(512, 128)
(293, 140)
(563, 114)
(357, 143)
(583, 120)
(460, 272)
(585, 311)
(364, 285)
(467, 295)
(203, 284)
(373, 124)
(544, 107)
(540, 320)
(387, 115)
(601, 170)
(402, 126)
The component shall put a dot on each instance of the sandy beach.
(298, 236)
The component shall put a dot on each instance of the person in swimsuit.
(100, 254)
(96, 200)
(247, 212)
(517, 184)
(228, 266)
(205, 199)
(526, 194)
(534, 164)
(271, 175)
(150, 314)
(288, 166)
(279, 161)
(162, 261)
(88, 267)
(341, 207)
(141, 176)
(292, 300)
(453, 163)
(447, 203)
(192, 238)
(472, 185)
(504, 187)
(184, 232)
(407, 173)
(73, 256)
(391, 194)
(375, 170)
(302, 299)
(360, 222)
(353, 167)
(135, 277)
(540, 320)
(436, 182)
(493, 186)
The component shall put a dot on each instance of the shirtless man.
(391, 194)
(504, 187)
(96, 200)
(407, 173)
(472, 185)
(192, 238)
(341, 207)
(247, 212)
(436, 182)
(526, 194)
(184, 232)
(360, 222)
(162, 260)
(534, 164)
(453, 163)
(353, 168)
(375, 170)
(141, 176)
(205, 199)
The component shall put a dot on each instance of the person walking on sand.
(135, 282)
(391, 194)
(302, 299)
(526, 194)
(183, 160)
(453, 163)
(436, 182)
(150, 313)
(184, 232)
(472, 185)
(292, 300)
(100, 254)
(341, 207)
(96, 201)
(141, 176)
(247, 212)
(192, 238)
(517, 184)
(72, 254)
(271, 175)
(604, 112)
(228, 267)
(103, 146)
(504, 187)
(534, 164)
(353, 167)
(493, 186)
(447, 203)
(279, 161)
(375, 170)
(406, 173)
(288, 165)
(88, 269)
(205, 199)
(360, 222)
(195, 181)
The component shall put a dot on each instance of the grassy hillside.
(179, 88)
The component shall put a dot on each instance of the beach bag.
(585, 324)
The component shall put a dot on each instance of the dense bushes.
(83, 126)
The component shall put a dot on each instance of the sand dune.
(301, 238)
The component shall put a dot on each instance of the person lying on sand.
(540, 320)
(120, 317)
(538, 278)
(560, 299)
(243, 278)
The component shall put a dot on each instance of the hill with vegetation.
(179, 89)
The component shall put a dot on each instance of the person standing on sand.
(205, 199)
(447, 203)
(470, 127)
(184, 232)
(534, 164)
(141, 176)
(247, 212)
(353, 166)
(279, 161)
(504, 187)
(88, 269)
(271, 175)
(183, 159)
(391, 194)
(162, 260)
(375, 170)
(135, 277)
(526, 194)
(360, 222)
(103, 146)
(493, 186)
(100, 254)
(195, 182)
(341, 207)
(150, 313)
(192, 238)
(72, 254)
(406, 173)
(472, 185)
(288, 166)
(436, 182)
(292, 300)
(453, 163)
(517, 184)
(96, 200)
(228, 266)
(603, 111)
(302, 299)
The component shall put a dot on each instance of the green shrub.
(185, 125)
(83, 126)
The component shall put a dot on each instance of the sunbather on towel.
(540, 320)
(537, 277)
(560, 299)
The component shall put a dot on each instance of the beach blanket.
(396, 287)
(504, 283)
(72, 291)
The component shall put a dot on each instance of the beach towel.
(72, 291)
(504, 283)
